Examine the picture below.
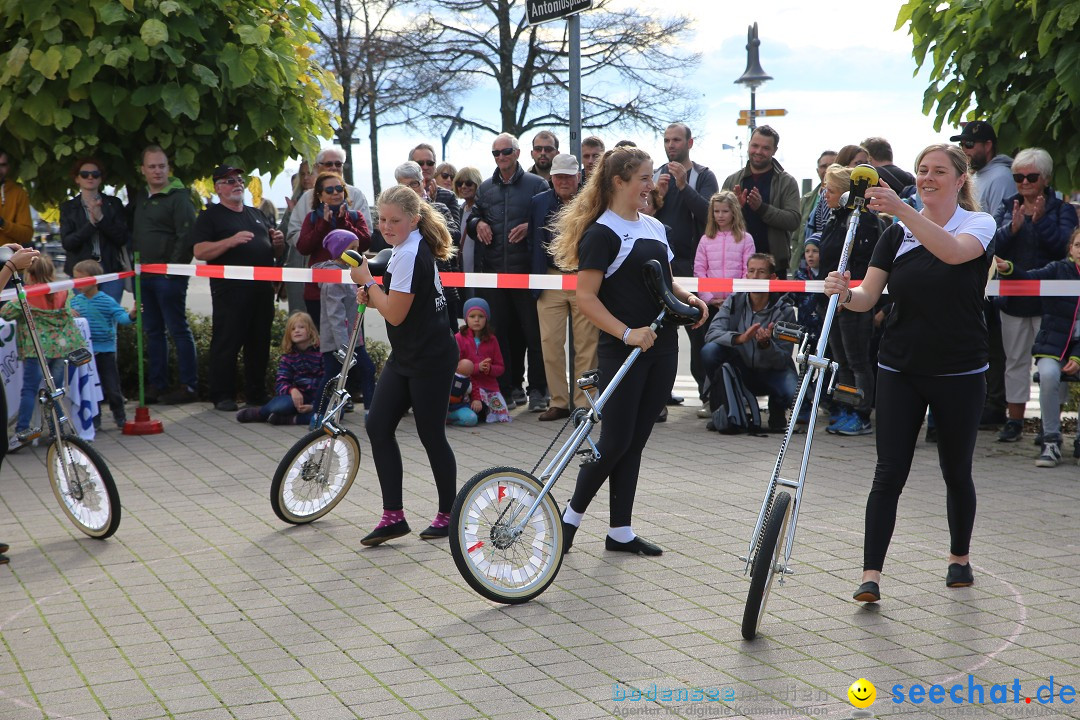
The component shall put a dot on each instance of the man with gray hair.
(331, 159)
(500, 224)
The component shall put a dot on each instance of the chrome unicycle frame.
(763, 556)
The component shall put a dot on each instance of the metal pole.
(575, 85)
(753, 99)
(455, 123)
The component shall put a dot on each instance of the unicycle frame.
(817, 365)
(331, 418)
(581, 433)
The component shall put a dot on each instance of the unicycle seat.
(675, 310)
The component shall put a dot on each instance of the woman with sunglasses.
(466, 181)
(444, 176)
(1033, 230)
(329, 211)
(94, 226)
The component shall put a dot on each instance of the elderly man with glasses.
(232, 233)
(331, 159)
(499, 223)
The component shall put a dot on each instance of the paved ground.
(205, 606)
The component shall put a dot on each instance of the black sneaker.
(434, 533)
(4, 559)
(226, 405)
(179, 396)
(568, 532)
(1012, 431)
(959, 576)
(638, 545)
(518, 396)
(388, 532)
(3, 547)
(536, 401)
(868, 592)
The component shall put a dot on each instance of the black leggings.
(956, 402)
(628, 421)
(428, 396)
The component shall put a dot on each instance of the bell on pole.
(754, 75)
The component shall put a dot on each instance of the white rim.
(303, 497)
(93, 510)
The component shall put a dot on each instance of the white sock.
(572, 516)
(622, 534)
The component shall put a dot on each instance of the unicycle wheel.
(499, 561)
(314, 476)
(766, 564)
(84, 486)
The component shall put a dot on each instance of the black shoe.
(226, 405)
(868, 592)
(1012, 431)
(959, 576)
(248, 415)
(350, 406)
(1039, 439)
(991, 420)
(662, 417)
(3, 547)
(637, 545)
(388, 532)
(151, 395)
(675, 400)
(518, 396)
(4, 559)
(434, 533)
(179, 396)
(568, 532)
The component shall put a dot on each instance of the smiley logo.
(862, 693)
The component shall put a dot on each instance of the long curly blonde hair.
(589, 204)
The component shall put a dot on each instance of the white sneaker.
(704, 412)
(1050, 457)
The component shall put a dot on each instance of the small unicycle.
(317, 472)
(506, 530)
(766, 557)
(79, 478)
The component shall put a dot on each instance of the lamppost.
(754, 76)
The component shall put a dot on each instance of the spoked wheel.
(314, 476)
(499, 561)
(766, 564)
(83, 485)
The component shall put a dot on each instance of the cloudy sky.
(841, 75)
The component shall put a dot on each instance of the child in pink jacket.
(725, 247)
(482, 362)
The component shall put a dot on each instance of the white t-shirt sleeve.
(400, 267)
(977, 224)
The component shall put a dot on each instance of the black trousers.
(628, 420)
(243, 311)
(956, 402)
(428, 396)
(995, 376)
(517, 328)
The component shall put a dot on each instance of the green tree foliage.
(209, 80)
(1011, 62)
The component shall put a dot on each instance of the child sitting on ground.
(482, 362)
(104, 314)
(58, 335)
(299, 376)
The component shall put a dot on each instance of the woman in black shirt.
(934, 352)
(423, 356)
(603, 237)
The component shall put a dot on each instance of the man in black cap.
(231, 233)
(993, 172)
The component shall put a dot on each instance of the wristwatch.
(369, 283)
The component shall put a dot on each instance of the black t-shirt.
(620, 248)
(423, 344)
(218, 222)
(936, 326)
(754, 224)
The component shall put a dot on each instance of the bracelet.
(848, 298)
(625, 334)
(369, 283)
(12, 266)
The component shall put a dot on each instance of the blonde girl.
(299, 377)
(725, 247)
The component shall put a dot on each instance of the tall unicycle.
(505, 528)
(768, 555)
(78, 475)
(317, 472)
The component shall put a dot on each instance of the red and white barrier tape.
(46, 288)
(514, 281)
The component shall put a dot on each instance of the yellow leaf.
(204, 187)
(256, 189)
(50, 214)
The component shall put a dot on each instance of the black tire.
(524, 566)
(763, 569)
(295, 493)
(92, 504)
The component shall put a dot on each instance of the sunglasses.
(333, 163)
(543, 149)
(446, 176)
(464, 183)
(231, 181)
(84, 174)
(333, 189)
(426, 163)
(1030, 177)
(968, 143)
(504, 152)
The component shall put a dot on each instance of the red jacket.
(312, 233)
(468, 350)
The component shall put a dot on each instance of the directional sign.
(761, 113)
(542, 11)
